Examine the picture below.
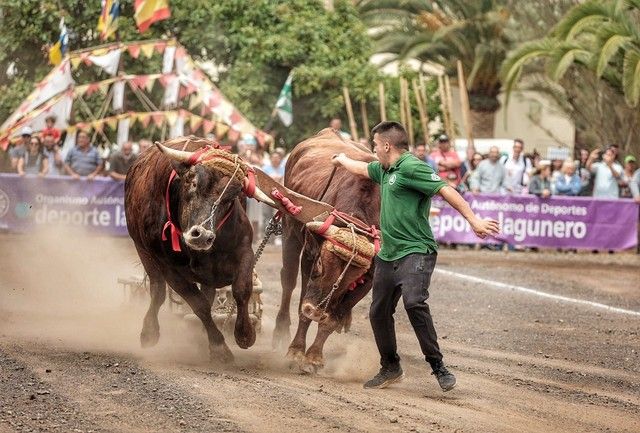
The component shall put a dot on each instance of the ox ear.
(179, 159)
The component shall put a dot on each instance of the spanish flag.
(148, 12)
(108, 21)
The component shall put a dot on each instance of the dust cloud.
(61, 287)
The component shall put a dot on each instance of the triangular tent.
(184, 91)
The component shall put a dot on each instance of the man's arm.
(592, 157)
(480, 227)
(352, 165)
(96, 171)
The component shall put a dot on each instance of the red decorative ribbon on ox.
(250, 188)
(288, 205)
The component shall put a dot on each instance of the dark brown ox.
(307, 172)
(209, 256)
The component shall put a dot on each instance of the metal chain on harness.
(215, 205)
(274, 227)
(335, 286)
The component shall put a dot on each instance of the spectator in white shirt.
(517, 168)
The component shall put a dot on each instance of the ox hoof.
(310, 367)
(245, 339)
(149, 338)
(295, 355)
(220, 354)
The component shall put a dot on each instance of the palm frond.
(610, 48)
(631, 77)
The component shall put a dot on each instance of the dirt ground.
(70, 359)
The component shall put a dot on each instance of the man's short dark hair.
(519, 140)
(394, 133)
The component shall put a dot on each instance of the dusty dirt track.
(70, 361)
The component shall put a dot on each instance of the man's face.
(494, 154)
(420, 151)
(336, 124)
(83, 140)
(24, 139)
(48, 141)
(444, 145)
(584, 154)
(127, 148)
(568, 168)
(381, 148)
(144, 145)
(517, 148)
(275, 159)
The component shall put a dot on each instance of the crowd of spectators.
(598, 173)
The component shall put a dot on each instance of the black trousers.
(408, 277)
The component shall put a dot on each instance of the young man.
(408, 256)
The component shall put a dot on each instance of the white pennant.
(167, 59)
(118, 96)
(108, 62)
(171, 92)
(177, 129)
(123, 131)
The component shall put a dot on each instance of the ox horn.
(259, 195)
(315, 225)
(178, 155)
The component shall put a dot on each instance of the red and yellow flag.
(148, 12)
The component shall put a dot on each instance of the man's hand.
(608, 158)
(482, 227)
(337, 159)
(546, 193)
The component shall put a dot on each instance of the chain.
(274, 227)
(215, 205)
(335, 286)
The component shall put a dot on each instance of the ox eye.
(317, 268)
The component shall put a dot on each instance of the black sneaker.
(385, 378)
(446, 379)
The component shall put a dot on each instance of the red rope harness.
(288, 205)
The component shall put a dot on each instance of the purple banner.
(33, 202)
(557, 222)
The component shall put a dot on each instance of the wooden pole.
(383, 110)
(403, 112)
(365, 118)
(448, 95)
(421, 111)
(407, 107)
(464, 102)
(352, 120)
(443, 105)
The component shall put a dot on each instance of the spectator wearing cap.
(83, 159)
(121, 161)
(50, 129)
(517, 168)
(54, 157)
(20, 147)
(447, 161)
(607, 173)
(540, 184)
(488, 177)
(34, 160)
(568, 182)
(630, 167)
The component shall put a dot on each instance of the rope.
(335, 286)
(214, 207)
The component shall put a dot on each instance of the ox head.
(331, 260)
(208, 191)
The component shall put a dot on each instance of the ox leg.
(291, 248)
(150, 333)
(242, 288)
(218, 349)
(340, 319)
(299, 343)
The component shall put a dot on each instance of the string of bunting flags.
(183, 82)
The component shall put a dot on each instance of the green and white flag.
(284, 106)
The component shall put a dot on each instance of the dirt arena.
(70, 359)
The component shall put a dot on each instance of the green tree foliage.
(255, 43)
(444, 31)
(596, 42)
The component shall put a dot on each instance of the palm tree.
(603, 36)
(444, 31)
(600, 38)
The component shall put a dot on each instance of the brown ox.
(210, 255)
(307, 172)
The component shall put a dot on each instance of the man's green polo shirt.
(406, 189)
